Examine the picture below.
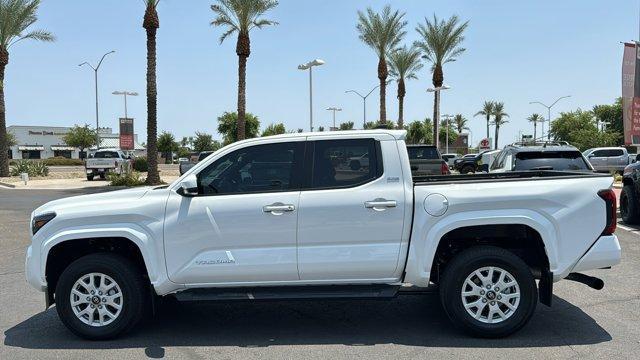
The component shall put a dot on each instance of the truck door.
(616, 159)
(598, 160)
(350, 223)
(241, 227)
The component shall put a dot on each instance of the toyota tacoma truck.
(287, 217)
(104, 162)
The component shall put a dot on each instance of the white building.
(43, 142)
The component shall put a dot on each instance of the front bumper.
(604, 253)
(32, 270)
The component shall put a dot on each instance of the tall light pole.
(95, 72)
(364, 103)
(125, 94)
(549, 114)
(447, 117)
(309, 66)
(334, 109)
(436, 122)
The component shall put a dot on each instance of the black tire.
(465, 263)
(134, 289)
(103, 176)
(467, 169)
(355, 165)
(90, 177)
(629, 209)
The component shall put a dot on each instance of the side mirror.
(590, 156)
(189, 186)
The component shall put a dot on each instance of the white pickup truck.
(105, 161)
(287, 217)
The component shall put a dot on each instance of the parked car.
(185, 166)
(104, 162)
(472, 163)
(633, 158)
(630, 194)
(608, 159)
(426, 160)
(519, 157)
(258, 220)
(450, 158)
(183, 160)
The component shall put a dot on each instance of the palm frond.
(440, 40)
(16, 16)
(404, 63)
(241, 15)
(383, 31)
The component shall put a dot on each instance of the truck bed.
(505, 176)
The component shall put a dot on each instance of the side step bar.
(590, 281)
(290, 293)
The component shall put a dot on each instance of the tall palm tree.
(440, 42)
(16, 16)
(241, 16)
(460, 123)
(151, 23)
(487, 111)
(499, 118)
(404, 63)
(535, 119)
(382, 32)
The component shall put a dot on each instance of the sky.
(517, 52)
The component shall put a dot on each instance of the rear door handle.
(278, 208)
(380, 204)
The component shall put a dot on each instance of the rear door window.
(423, 153)
(551, 160)
(107, 155)
(345, 163)
(614, 152)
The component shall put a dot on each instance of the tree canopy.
(274, 129)
(580, 129)
(81, 137)
(204, 142)
(228, 125)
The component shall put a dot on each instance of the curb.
(7, 185)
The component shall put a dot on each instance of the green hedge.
(33, 168)
(140, 164)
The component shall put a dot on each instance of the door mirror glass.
(189, 186)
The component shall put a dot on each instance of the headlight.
(40, 221)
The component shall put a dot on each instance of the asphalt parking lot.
(583, 323)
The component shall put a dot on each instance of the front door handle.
(278, 208)
(380, 204)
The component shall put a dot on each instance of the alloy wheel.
(490, 295)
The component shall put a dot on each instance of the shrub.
(127, 179)
(33, 168)
(63, 161)
(140, 164)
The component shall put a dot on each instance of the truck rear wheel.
(629, 205)
(90, 177)
(488, 292)
(467, 169)
(101, 296)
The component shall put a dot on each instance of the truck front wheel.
(101, 296)
(488, 292)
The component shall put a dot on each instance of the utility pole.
(309, 66)
(95, 72)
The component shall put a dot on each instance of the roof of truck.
(397, 134)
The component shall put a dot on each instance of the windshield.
(107, 155)
(551, 160)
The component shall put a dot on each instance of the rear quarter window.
(420, 153)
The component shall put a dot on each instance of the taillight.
(444, 169)
(609, 198)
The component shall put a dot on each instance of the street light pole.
(447, 117)
(364, 103)
(436, 122)
(334, 109)
(95, 73)
(309, 66)
(125, 94)
(548, 114)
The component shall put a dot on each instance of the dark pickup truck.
(426, 160)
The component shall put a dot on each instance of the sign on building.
(126, 134)
(485, 144)
(631, 94)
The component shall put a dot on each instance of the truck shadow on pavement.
(414, 320)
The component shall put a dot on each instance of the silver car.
(607, 159)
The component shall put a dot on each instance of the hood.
(103, 199)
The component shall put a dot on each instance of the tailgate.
(423, 167)
(100, 163)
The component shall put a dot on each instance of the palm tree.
(487, 111)
(16, 16)
(440, 44)
(499, 118)
(404, 63)
(151, 23)
(242, 16)
(535, 119)
(382, 32)
(460, 123)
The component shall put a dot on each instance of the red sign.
(631, 94)
(126, 134)
(484, 143)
